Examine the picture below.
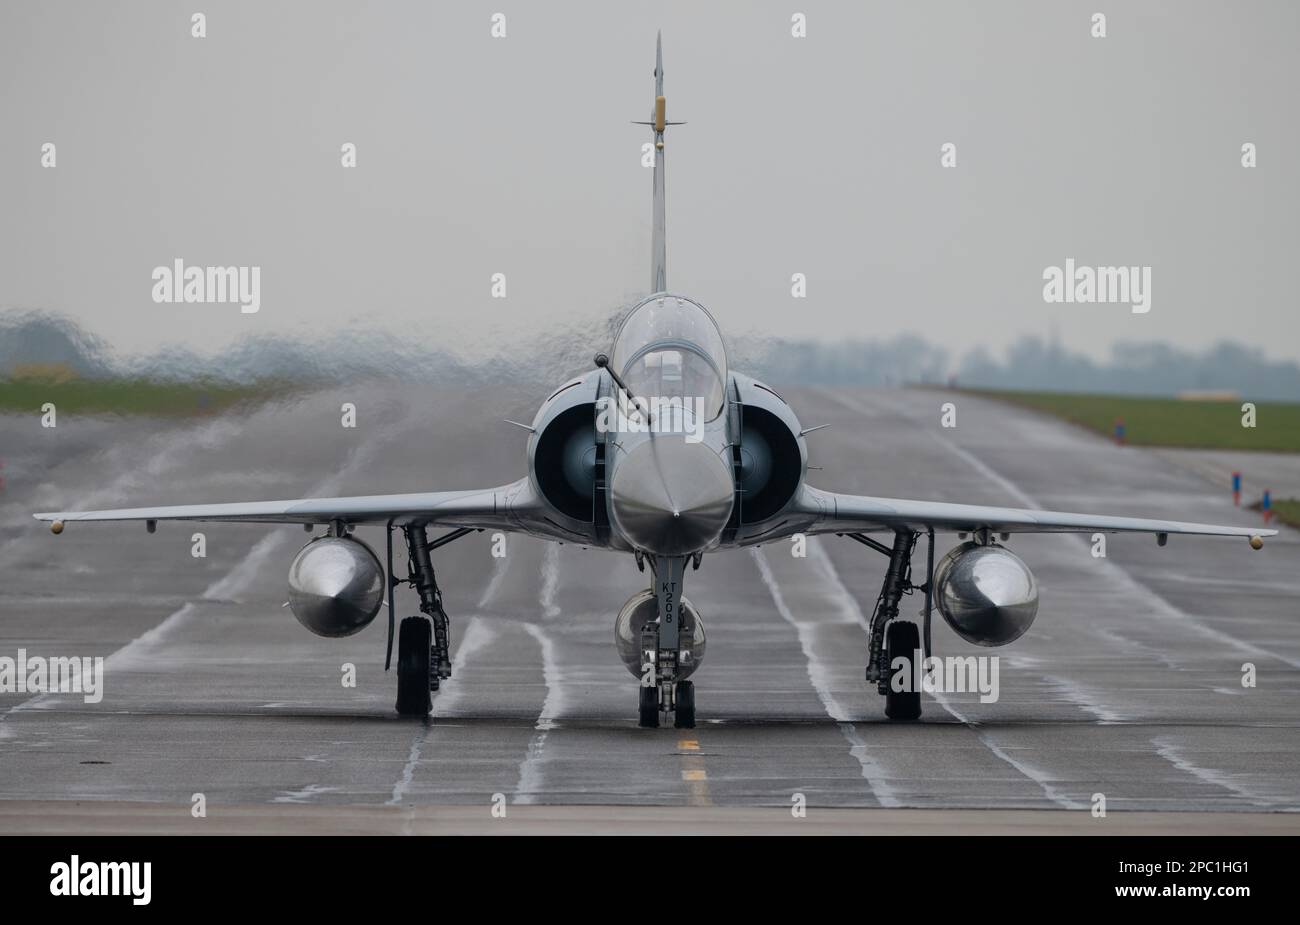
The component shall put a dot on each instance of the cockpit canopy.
(669, 347)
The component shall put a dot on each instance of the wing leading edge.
(840, 513)
(500, 508)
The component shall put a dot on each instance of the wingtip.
(55, 521)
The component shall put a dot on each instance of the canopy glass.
(670, 347)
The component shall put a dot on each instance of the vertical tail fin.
(658, 240)
(658, 122)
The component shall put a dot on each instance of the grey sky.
(818, 155)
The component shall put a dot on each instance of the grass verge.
(134, 396)
(1287, 510)
(1174, 422)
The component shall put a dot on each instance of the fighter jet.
(663, 452)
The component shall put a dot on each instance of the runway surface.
(1128, 685)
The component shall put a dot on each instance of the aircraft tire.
(902, 640)
(414, 640)
(684, 715)
(649, 708)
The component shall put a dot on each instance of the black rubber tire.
(414, 640)
(902, 640)
(684, 715)
(648, 713)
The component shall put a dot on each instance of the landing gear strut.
(662, 691)
(423, 645)
(893, 639)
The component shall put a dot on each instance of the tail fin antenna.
(659, 122)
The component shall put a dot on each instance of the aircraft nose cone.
(670, 497)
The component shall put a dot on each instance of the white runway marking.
(818, 671)
(550, 580)
(477, 636)
(142, 651)
(408, 772)
(171, 449)
(830, 575)
(1122, 582)
(820, 677)
(234, 582)
(1170, 752)
(1078, 695)
(1127, 584)
(849, 604)
(239, 578)
(553, 706)
(1040, 778)
(530, 769)
(499, 568)
(305, 795)
(1125, 644)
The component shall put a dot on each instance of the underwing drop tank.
(336, 586)
(985, 593)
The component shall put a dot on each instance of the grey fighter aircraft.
(663, 452)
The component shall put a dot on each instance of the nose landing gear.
(662, 690)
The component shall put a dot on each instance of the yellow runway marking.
(693, 773)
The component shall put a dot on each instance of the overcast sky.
(817, 155)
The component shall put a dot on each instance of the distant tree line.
(43, 344)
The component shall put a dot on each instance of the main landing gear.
(423, 644)
(896, 644)
(662, 690)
